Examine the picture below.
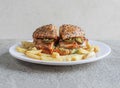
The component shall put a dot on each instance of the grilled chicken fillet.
(45, 37)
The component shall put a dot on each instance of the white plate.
(104, 51)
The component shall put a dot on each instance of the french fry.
(91, 54)
(37, 52)
(76, 57)
(88, 45)
(68, 59)
(82, 51)
(34, 48)
(31, 55)
(27, 45)
(85, 56)
(55, 55)
(46, 58)
(96, 49)
(22, 50)
(91, 49)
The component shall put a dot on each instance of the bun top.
(70, 31)
(46, 31)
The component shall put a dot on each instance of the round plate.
(104, 51)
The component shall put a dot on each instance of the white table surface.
(18, 74)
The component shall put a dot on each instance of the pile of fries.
(28, 49)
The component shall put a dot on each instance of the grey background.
(99, 18)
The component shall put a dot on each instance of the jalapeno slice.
(79, 40)
(69, 40)
(47, 40)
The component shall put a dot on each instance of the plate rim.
(27, 59)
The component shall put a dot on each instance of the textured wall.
(99, 18)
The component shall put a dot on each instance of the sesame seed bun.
(46, 31)
(70, 31)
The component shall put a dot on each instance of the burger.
(71, 38)
(45, 38)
